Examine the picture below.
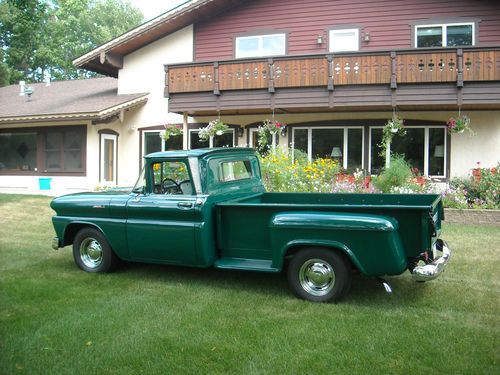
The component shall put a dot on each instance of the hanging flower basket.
(459, 124)
(393, 127)
(170, 131)
(214, 127)
(269, 127)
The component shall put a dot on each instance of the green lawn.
(147, 319)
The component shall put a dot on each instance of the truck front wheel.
(92, 252)
(319, 275)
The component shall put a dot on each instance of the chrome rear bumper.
(434, 269)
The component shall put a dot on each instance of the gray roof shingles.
(63, 97)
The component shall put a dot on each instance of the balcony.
(409, 79)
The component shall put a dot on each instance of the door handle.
(185, 205)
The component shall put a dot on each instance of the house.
(334, 70)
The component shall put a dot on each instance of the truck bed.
(244, 223)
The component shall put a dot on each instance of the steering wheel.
(169, 186)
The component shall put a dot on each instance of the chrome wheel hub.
(91, 252)
(317, 277)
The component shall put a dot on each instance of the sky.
(153, 8)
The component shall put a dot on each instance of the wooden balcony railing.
(329, 70)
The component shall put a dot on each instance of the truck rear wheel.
(319, 275)
(92, 252)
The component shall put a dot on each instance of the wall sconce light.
(319, 40)
(241, 131)
(284, 130)
(367, 37)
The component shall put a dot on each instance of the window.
(260, 45)
(342, 143)
(444, 35)
(51, 149)
(235, 170)
(18, 151)
(171, 177)
(423, 147)
(344, 40)
(152, 142)
(224, 140)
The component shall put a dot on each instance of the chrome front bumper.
(434, 269)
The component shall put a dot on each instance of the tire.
(92, 252)
(319, 275)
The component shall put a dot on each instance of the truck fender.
(305, 229)
(333, 245)
(74, 227)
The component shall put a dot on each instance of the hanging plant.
(214, 127)
(392, 127)
(170, 131)
(269, 128)
(459, 124)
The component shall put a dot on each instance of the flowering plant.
(214, 127)
(392, 127)
(459, 124)
(269, 127)
(171, 130)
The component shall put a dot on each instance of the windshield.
(140, 185)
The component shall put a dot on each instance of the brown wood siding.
(388, 22)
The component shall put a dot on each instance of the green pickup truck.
(209, 208)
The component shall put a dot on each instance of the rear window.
(235, 170)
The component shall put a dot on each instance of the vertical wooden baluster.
(270, 83)
(394, 83)
(216, 79)
(460, 67)
(329, 58)
(166, 93)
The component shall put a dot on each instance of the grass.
(149, 319)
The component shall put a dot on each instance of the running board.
(245, 264)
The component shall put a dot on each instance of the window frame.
(331, 33)
(345, 145)
(444, 38)
(259, 52)
(197, 130)
(41, 133)
(426, 149)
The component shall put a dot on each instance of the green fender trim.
(334, 220)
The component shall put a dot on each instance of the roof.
(107, 59)
(95, 98)
(201, 152)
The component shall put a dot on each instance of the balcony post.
(394, 84)
(460, 67)
(270, 78)
(166, 93)
(330, 72)
(216, 79)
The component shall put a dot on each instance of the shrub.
(395, 177)
(481, 190)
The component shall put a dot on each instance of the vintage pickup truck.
(209, 208)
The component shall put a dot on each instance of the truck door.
(161, 222)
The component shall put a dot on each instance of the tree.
(40, 38)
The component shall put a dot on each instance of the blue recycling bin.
(44, 183)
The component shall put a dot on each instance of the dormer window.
(444, 35)
(260, 45)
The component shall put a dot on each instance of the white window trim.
(259, 52)
(335, 31)
(114, 138)
(426, 149)
(345, 145)
(444, 40)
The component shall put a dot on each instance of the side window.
(235, 170)
(344, 40)
(171, 177)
